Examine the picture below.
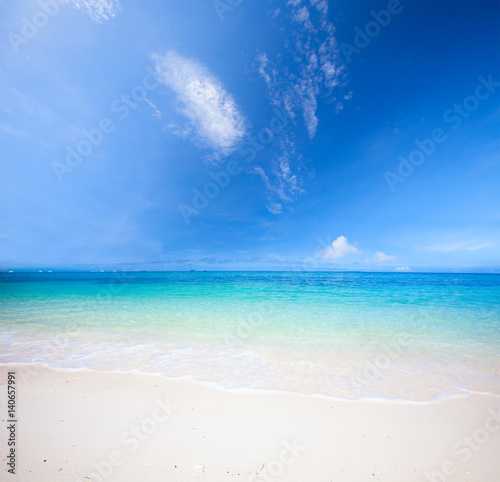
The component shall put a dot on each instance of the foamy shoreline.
(341, 372)
(74, 424)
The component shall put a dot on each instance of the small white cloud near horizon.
(211, 110)
(339, 248)
(98, 10)
(402, 269)
(380, 257)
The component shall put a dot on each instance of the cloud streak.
(211, 111)
(283, 184)
(466, 246)
(318, 66)
(98, 10)
(306, 69)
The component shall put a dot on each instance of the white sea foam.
(348, 373)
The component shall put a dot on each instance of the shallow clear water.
(391, 335)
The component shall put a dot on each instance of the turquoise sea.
(400, 336)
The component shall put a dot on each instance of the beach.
(83, 425)
(250, 376)
(250, 240)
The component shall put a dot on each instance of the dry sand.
(82, 425)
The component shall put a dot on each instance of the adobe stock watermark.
(221, 179)
(390, 353)
(223, 6)
(253, 322)
(466, 446)
(93, 138)
(454, 117)
(274, 469)
(259, 316)
(31, 27)
(363, 37)
(131, 439)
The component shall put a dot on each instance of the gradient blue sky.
(321, 190)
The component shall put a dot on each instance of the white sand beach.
(83, 425)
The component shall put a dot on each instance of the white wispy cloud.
(98, 10)
(305, 71)
(212, 112)
(157, 112)
(274, 207)
(12, 131)
(338, 249)
(464, 246)
(403, 269)
(263, 63)
(282, 183)
(318, 66)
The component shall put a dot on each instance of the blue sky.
(265, 135)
